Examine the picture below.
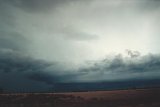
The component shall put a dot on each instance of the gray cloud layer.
(75, 31)
(69, 30)
(19, 72)
(121, 68)
(15, 69)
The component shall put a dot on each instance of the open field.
(116, 98)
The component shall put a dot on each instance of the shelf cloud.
(63, 41)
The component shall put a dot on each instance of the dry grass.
(118, 98)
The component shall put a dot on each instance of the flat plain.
(114, 98)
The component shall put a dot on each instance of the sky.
(65, 41)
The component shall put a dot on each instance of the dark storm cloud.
(18, 70)
(119, 67)
(118, 64)
(13, 61)
(52, 79)
(43, 77)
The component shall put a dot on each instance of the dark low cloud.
(123, 68)
(21, 72)
(14, 61)
(148, 63)
(26, 34)
(18, 71)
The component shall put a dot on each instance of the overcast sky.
(78, 40)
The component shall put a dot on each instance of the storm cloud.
(15, 70)
(43, 43)
(19, 72)
(120, 67)
(66, 30)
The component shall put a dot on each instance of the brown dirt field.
(117, 94)
(117, 98)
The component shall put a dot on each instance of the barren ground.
(116, 98)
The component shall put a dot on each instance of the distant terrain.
(116, 98)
